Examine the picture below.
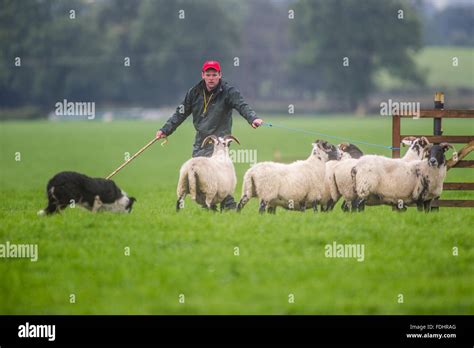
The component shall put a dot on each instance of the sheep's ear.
(408, 141)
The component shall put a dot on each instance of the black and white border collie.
(94, 194)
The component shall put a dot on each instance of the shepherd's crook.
(132, 158)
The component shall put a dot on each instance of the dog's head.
(123, 204)
(129, 206)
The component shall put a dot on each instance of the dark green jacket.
(218, 118)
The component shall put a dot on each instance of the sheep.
(348, 151)
(292, 186)
(208, 179)
(342, 183)
(431, 179)
(395, 181)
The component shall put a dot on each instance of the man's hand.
(257, 123)
(160, 134)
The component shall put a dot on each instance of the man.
(211, 102)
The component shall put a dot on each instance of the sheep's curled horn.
(233, 138)
(425, 140)
(445, 145)
(210, 137)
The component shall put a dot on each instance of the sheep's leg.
(263, 206)
(180, 203)
(303, 206)
(361, 205)
(427, 206)
(345, 207)
(330, 205)
(354, 205)
(400, 206)
(398, 209)
(209, 204)
(315, 206)
(242, 203)
(271, 210)
(419, 205)
(358, 204)
(434, 208)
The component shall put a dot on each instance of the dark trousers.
(228, 202)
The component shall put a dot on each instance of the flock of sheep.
(329, 173)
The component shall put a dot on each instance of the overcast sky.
(443, 3)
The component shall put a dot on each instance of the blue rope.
(329, 136)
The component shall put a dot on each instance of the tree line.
(149, 52)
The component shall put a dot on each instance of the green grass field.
(437, 64)
(193, 252)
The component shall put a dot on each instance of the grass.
(436, 63)
(193, 253)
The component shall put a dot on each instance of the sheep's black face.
(333, 153)
(436, 155)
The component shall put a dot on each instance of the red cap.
(211, 64)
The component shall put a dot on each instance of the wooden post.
(438, 104)
(437, 127)
(396, 136)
